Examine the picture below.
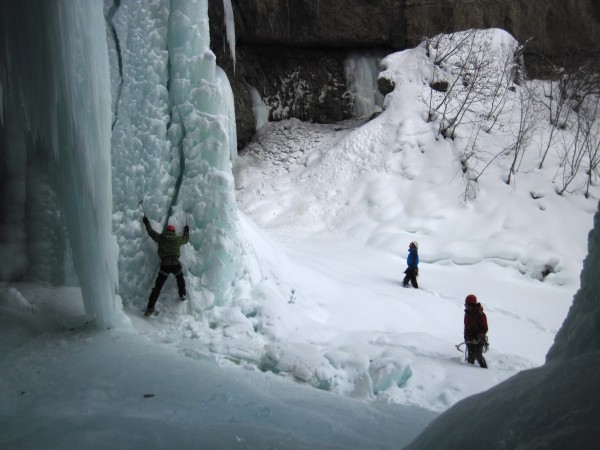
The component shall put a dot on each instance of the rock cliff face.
(325, 23)
(308, 84)
(293, 51)
(554, 28)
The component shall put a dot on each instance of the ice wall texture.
(171, 147)
(144, 165)
(56, 81)
(580, 332)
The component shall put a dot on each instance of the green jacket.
(168, 244)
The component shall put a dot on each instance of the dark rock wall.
(293, 51)
(554, 29)
(328, 23)
(304, 83)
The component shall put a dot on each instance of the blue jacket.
(413, 258)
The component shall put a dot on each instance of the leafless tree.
(571, 100)
(574, 82)
(469, 160)
(591, 131)
(474, 163)
(477, 86)
(498, 92)
(447, 45)
(556, 100)
(442, 47)
(558, 115)
(573, 152)
(524, 132)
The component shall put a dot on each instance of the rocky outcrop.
(556, 26)
(307, 84)
(293, 51)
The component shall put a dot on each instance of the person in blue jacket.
(413, 265)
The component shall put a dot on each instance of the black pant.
(475, 352)
(411, 275)
(163, 274)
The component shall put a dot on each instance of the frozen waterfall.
(115, 103)
(173, 143)
(57, 88)
(201, 126)
(230, 28)
(362, 70)
(261, 112)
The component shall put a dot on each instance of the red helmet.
(471, 299)
(170, 227)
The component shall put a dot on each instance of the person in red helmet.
(476, 328)
(168, 251)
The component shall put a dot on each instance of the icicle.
(83, 128)
(230, 110)
(230, 28)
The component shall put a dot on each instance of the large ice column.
(145, 167)
(57, 69)
(200, 128)
(82, 153)
(173, 142)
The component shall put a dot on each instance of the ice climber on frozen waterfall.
(168, 251)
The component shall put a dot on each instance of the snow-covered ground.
(68, 387)
(325, 348)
